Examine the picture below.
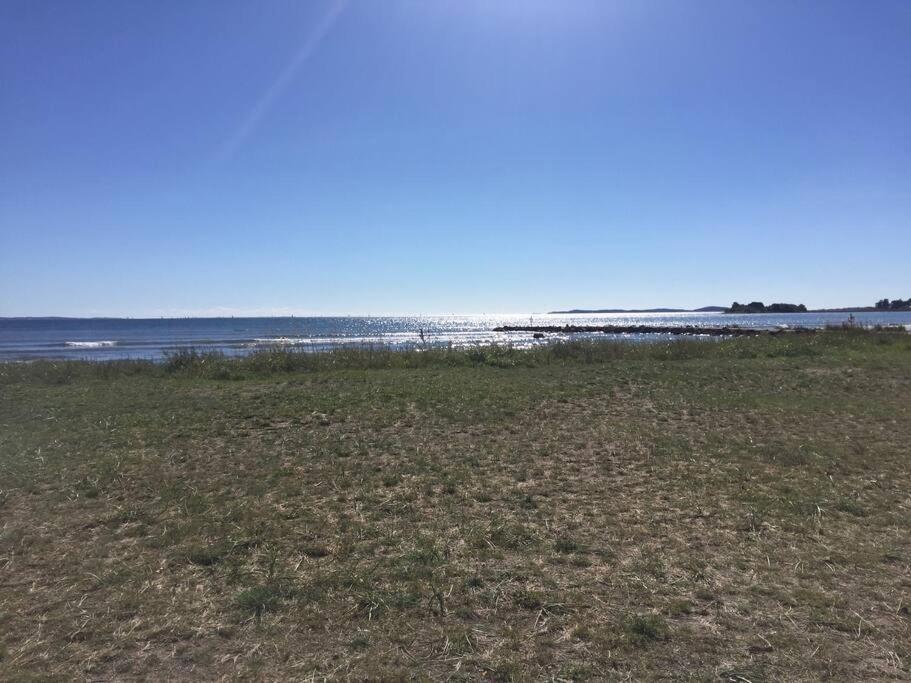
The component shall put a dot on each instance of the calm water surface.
(110, 338)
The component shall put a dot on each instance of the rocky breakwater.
(726, 331)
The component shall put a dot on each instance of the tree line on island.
(759, 307)
(894, 305)
(752, 307)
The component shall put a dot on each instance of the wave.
(330, 341)
(90, 344)
(280, 341)
(410, 339)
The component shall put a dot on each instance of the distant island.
(882, 306)
(704, 309)
(759, 307)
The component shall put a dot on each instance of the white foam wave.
(279, 341)
(458, 339)
(90, 344)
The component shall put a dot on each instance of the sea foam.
(90, 344)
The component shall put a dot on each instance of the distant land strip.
(897, 306)
(704, 309)
(858, 309)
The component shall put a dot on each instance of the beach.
(735, 508)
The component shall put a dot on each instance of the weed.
(852, 507)
(262, 598)
(359, 642)
(528, 599)
(206, 556)
(643, 628)
(315, 551)
(679, 607)
(566, 544)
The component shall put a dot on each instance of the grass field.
(730, 510)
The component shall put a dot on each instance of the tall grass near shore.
(202, 363)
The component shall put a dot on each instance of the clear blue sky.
(190, 157)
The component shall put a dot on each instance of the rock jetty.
(727, 331)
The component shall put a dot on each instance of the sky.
(189, 157)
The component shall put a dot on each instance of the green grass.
(587, 510)
(642, 628)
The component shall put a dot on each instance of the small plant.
(567, 544)
(261, 599)
(88, 488)
(576, 671)
(359, 642)
(474, 581)
(704, 594)
(852, 507)
(458, 640)
(315, 551)
(505, 672)
(679, 607)
(582, 632)
(528, 502)
(511, 536)
(529, 599)
(206, 556)
(643, 628)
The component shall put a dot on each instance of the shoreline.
(538, 336)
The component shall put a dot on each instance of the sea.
(23, 339)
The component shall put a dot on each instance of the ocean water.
(111, 338)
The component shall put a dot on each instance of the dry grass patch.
(732, 509)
